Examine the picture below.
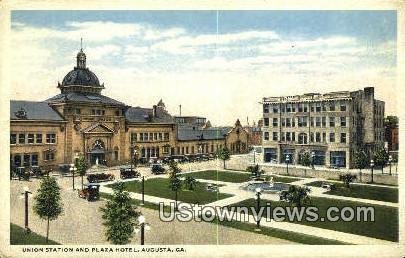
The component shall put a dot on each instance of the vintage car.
(157, 168)
(102, 177)
(129, 173)
(90, 192)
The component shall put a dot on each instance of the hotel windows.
(332, 121)
(166, 136)
(266, 121)
(50, 138)
(288, 136)
(283, 137)
(266, 135)
(275, 136)
(332, 137)
(323, 106)
(342, 106)
(289, 108)
(155, 136)
(323, 137)
(134, 137)
(302, 121)
(34, 160)
(282, 121)
(343, 137)
(266, 108)
(311, 137)
(98, 112)
(160, 136)
(293, 136)
(302, 138)
(141, 137)
(288, 122)
(13, 138)
(318, 137)
(318, 121)
(275, 109)
(332, 106)
(275, 122)
(27, 159)
(302, 107)
(323, 121)
(343, 121)
(38, 138)
(49, 155)
(312, 121)
(318, 107)
(30, 138)
(21, 138)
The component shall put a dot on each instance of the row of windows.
(205, 148)
(146, 137)
(303, 121)
(304, 107)
(30, 159)
(31, 138)
(303, 137)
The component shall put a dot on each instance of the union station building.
(82, 121)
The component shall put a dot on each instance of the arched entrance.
(97, 154)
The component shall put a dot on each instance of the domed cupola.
(81, 79)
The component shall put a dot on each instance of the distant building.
(330, 126)
(391, 133)
(255, 134)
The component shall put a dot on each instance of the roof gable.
(97, 128)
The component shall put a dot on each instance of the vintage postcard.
(201, 130)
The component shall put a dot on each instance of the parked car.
(129, 173)
(157, 169)
(90, 192)
(96, 178)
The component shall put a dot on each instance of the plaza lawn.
(386, 194)
(159, 187)
(384, 227)
(272, 232)
(232, 177)
(19, 237)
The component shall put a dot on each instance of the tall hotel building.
(331, 126)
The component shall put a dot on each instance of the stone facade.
(329, 127)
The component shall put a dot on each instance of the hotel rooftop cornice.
(310, 97)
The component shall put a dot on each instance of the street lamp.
(372, 170)
(287, 160)
(144, 226)
(25, 193)
(143, 190)
(257, 196)
(72, 169)
(312, 159)
(254, 155)
(390, 161)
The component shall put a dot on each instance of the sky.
(214, 64)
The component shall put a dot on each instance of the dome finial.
(81, 56)
(81, 44)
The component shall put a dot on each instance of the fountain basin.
(265, 186)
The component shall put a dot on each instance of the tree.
(48, 204)
(380, 157)
(174, 180)
(81, 166)
(190, 183)
(120, 216)
(256, 172)
(224, 155)
(297, 195)
(360, 160)
(347, 179)
(305, 159)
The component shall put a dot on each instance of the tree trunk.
(47, 230)
(224, 165)
(176, 200)
(82, 182)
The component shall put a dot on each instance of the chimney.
(180, 109)
(154, 111)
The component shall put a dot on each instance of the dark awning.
(97, 151)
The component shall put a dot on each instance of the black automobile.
(90, 192)
(157, 169)
(129, 173)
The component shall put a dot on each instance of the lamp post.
(254, 156)
(143, 190)
(312, 159)
(390, 161)
(25, 193)
(372, 170)
(72, 169)
(257, 196)
(287, 160)
(144, 226)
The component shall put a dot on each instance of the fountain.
(267, 186)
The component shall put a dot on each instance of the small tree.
(347, 179)
(119, 216)
(360, 160)
(81, 166)
(190, 183)
(48, 201)
(224, 155)
(256, 172)
(174, 180)
(305, 159)
(380, 157)
(297, 195)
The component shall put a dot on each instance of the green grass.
(19, 237)
(159, 187)
(384, 227)
(232, 177)
(272, 232)
(385, 194)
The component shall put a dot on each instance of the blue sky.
(174, 54)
